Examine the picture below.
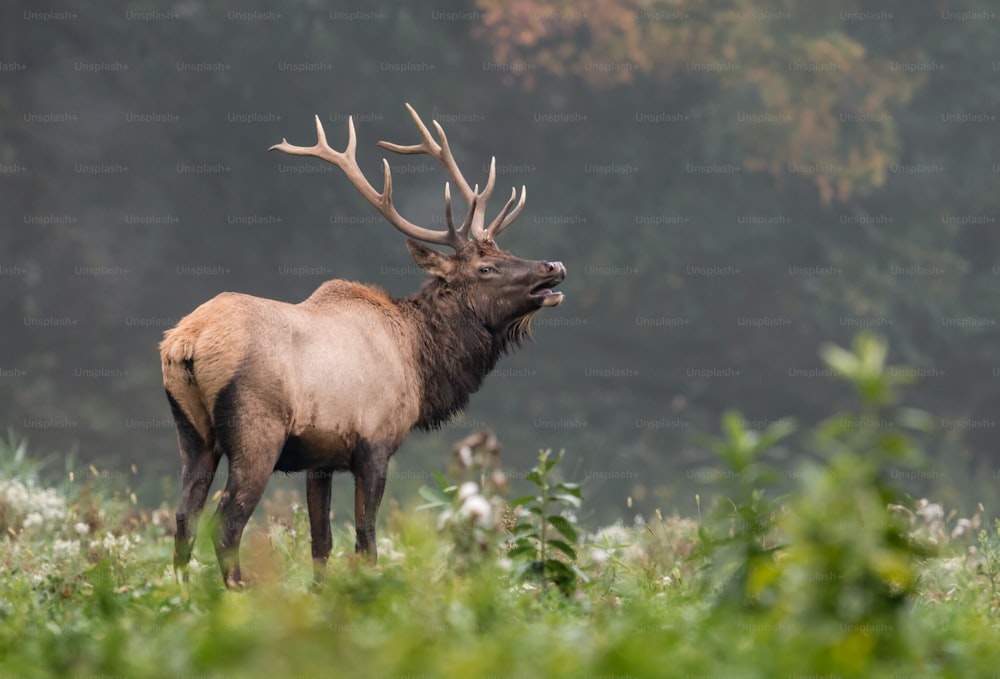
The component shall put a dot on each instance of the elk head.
(501, 291)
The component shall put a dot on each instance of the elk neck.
(455, 351)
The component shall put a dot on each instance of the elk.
(336, 382)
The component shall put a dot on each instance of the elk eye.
(486, 270)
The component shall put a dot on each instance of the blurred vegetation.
(730, 182)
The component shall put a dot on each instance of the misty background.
(730, 184)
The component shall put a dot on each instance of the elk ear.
(430, 260)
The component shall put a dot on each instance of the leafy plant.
(739, 539)
(851, 567)
(833, 561)
(988, 563)
(545, 540)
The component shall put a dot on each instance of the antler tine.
(479, 220)
(460, 235)
(449, 159)
(439, 152)
(507, 215)
(348, 163)
(449, 219)
(428, 145)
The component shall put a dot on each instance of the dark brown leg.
(370, 472)
(251, 460)
(318, 487)
(199, 461)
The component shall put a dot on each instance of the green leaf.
(556, 565)
(579, 573)
(433, 496)
(519, 549)
(564, 527)
(915, 419)
(774, 433)
(525, 500)
(572, 500)
(733, 427)
(563, 575)
(872, 350)
(841, 361)
(569, 488)
(564, 548)
(443, 483)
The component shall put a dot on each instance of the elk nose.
(553, 267)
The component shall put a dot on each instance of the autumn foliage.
(811, 101)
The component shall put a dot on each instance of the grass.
(89, 592)
(843, 576)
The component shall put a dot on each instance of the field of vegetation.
(841, 575)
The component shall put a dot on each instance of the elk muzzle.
(555, 273)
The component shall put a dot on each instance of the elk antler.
(472, 227)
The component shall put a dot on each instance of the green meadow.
(841, 575)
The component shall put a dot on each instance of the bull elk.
(336, 382)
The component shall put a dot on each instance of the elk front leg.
(370, 472)
(318, 486)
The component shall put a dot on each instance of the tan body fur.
(335, 366)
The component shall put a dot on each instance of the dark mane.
(456, 349)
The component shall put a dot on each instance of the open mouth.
(545, 295)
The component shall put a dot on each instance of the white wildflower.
(33, 520)
(40, 505)
(964, 528)
(599, 556)
(929, 511)
(465, 456)
(387, 550)
(498, 478)
(116, 545)
(446, 516)
(81, 528)
(66, 547)
(467, 490)
(478, 509)
(614, 535)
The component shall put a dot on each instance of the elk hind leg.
(253, 452)
(199, 461)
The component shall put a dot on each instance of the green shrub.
(545, 541)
